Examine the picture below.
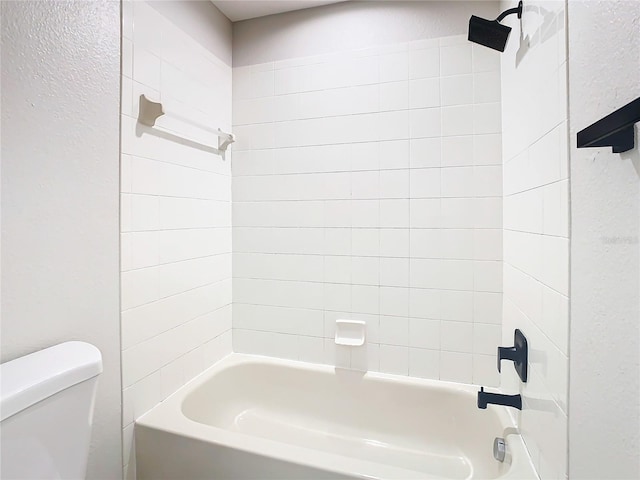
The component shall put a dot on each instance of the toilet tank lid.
(30, 379)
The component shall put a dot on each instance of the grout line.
(371, 285)
(537, 187)
(537, 280)
(409, 317)
(157, 195)
(190, 320)
(176, 229)
(345, 199)
(157, 300)
(358, 142)
(166, 162)
(387, 257)
(381, 170)
(158, 370)
(538, 234)
(346, 115)
(346, 227)
(175, 262)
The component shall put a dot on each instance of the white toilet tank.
(46, 410)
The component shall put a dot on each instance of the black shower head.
(491, 33)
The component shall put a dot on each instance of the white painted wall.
(604, 420)
(176, 203)
(60, 281)
(536, 225)
(357, 194)
(349, 26)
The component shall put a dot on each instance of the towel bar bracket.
(150, 111)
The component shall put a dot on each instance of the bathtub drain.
(499, 449)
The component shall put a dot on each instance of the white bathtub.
(262, 418)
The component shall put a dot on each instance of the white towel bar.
(151, 111)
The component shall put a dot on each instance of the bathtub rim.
(168, 416)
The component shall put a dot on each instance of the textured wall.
(536, 225)
(604, 411)
(176, 204)
(60, 84)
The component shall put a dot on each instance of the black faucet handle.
(518, 354)
(506, 353)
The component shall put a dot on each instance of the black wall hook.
(519, 354)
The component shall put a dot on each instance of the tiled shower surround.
(536, 229)
(367, 185)
(176, 214)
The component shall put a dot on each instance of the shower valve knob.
(518, 354)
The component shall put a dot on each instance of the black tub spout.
(485, 398)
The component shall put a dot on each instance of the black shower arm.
(517, 10)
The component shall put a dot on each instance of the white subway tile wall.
(176, 214)
(367, 185)
(536, 228)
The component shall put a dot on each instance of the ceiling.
(237, 10)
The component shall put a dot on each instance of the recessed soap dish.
(350, 332)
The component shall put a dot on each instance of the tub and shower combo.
(251, 417)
